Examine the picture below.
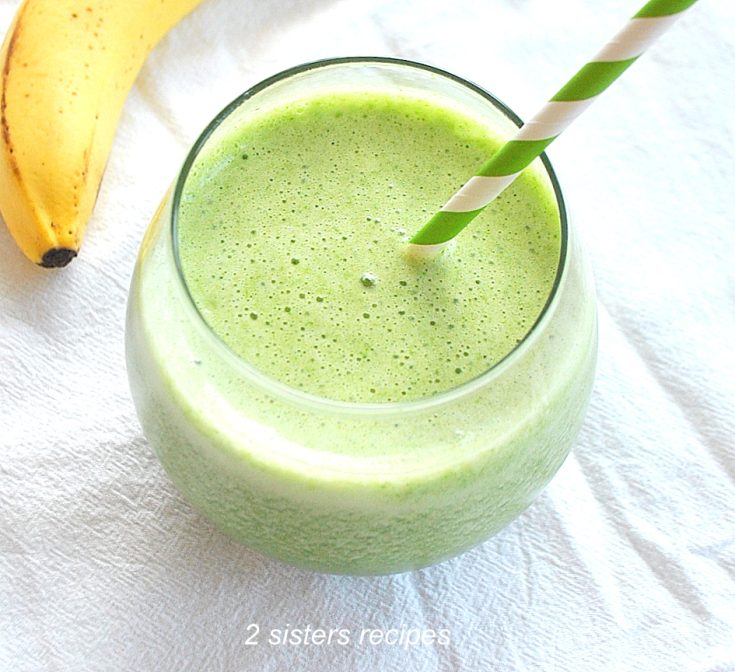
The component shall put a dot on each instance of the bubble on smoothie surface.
(296, 251)
(369, 279)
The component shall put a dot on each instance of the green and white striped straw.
(654, 19)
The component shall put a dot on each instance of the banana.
(67, 67)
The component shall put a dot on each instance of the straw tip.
(419, 253)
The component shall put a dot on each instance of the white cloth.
(626, 562)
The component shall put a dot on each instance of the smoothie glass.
(342, 487)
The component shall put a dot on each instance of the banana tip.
(57, 257)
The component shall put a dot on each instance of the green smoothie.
(291, 234)
(317, 395)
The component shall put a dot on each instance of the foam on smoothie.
(291, 234)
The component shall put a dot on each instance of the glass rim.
(297, 395)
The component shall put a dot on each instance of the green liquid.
(291, 235)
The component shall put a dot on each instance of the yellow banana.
(67, 67)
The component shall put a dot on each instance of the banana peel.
(66, 69)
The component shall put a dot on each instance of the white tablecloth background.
(626, 562)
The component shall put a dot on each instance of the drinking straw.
(652, 21)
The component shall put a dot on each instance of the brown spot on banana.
(3, 97)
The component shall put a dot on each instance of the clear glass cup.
(397, 486)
